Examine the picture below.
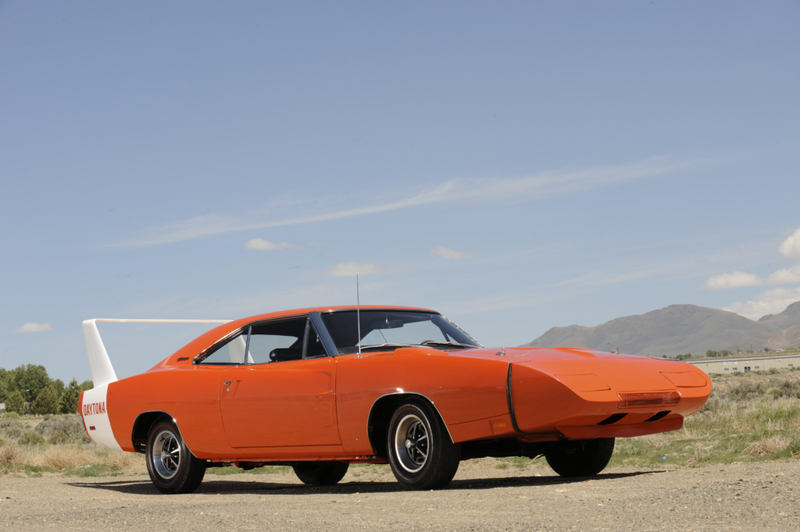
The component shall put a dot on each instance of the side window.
(231, 352)
(277, 341)
(264, 345)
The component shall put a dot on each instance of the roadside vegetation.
(28, 389)
(34, 445)
(749, 417)
(749, 353)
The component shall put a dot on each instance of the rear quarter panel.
(190, 396)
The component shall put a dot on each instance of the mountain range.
(679, 329)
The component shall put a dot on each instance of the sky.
(515, 165)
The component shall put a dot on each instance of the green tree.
(15, 402)
(711, 353)
(68, 403)
(3, 385)
(86, 385)
(59, 385)
(46, 402)
(30, 380)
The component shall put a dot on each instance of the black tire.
(172, 467)
(321, 473)
(420, 451)
(582, 458)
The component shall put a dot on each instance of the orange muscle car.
(319, 389)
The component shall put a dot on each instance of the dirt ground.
(741, 496)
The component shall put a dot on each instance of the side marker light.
(633, 400)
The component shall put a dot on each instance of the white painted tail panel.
(95, 416)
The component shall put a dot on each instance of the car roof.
(209, 338)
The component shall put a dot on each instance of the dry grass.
(58, 444)
(771, 445)
(61, 458)
(57, 457)
(9, 454)
(128, 463)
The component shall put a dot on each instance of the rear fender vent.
(658, 416)
(614, 418)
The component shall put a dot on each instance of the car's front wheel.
(321, 473)
(581, 458)
(421, 454)
(172, 467)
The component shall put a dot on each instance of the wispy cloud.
(790, 248)
(742, 279)
(769, 302)
(350, 269)
(460, 190)
(34, 328)
(725, 281)
(785, 276)
(265, 245)
(450, 254)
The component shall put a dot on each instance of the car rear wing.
(100, 364)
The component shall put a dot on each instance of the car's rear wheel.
(321, 473)
(421, 454)
(172, 467)
(581, 458)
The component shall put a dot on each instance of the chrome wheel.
(411, 443)
(166, 454)
(420, 452)
(171, 465)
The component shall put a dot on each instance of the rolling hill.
(679, 329)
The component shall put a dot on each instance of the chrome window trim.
(304, 350)
(334, 349)
(324, 335)
(315, 318)
(310, 327)
(477, 343)
(198, 359)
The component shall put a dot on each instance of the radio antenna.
(358, 316)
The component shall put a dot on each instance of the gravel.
(740, 496)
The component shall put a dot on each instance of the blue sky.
(515, 165)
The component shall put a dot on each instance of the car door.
(283, 393)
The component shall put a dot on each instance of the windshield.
(390, 329)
